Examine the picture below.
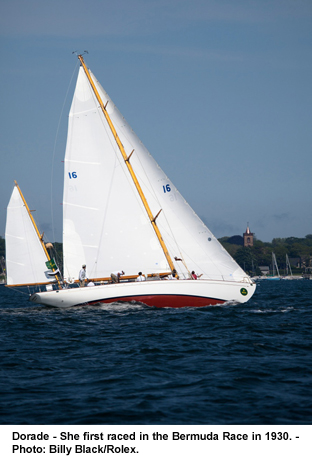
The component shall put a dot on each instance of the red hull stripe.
(173, 301)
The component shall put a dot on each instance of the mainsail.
(25, 255)
(105, 223)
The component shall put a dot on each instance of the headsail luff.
(127, 161)
(26, 254)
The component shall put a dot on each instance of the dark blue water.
(247, 364)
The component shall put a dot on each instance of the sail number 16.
(166, 188)
(72, 175)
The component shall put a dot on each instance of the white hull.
(165, 293)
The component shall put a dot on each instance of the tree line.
(299, 251)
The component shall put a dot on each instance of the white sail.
(288, 266)
(275, 269)
(105, 223)
(184, 233)
(25, 256)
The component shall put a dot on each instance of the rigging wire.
(54, 148)
(21, 291)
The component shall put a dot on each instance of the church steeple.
(248, 237)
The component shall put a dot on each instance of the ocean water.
(131, 364)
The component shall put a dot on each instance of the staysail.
(25, 255)
(105, 223)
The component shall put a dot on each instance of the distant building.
(295, 262)
(248, 238)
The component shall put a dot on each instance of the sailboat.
(275, 271)
(289, 274)
(28, 262)
(121, 212)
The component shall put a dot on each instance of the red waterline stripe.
(173, 301)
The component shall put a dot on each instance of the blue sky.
(219, 92)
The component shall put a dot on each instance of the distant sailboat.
(289, 274)
(275, 271)
(120, 210)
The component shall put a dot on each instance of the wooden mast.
(127, 161)
(35, 227)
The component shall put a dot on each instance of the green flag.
(51, 265)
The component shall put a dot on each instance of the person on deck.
(115, 276)
(194, 276)
(140, 277)
(173, 276)
(83, 275)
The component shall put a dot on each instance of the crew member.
(115, 276)
(140, 277)
(83, 275)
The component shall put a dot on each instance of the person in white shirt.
(173, 275)
(140, 277)
(115, 276)
(83, 275)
